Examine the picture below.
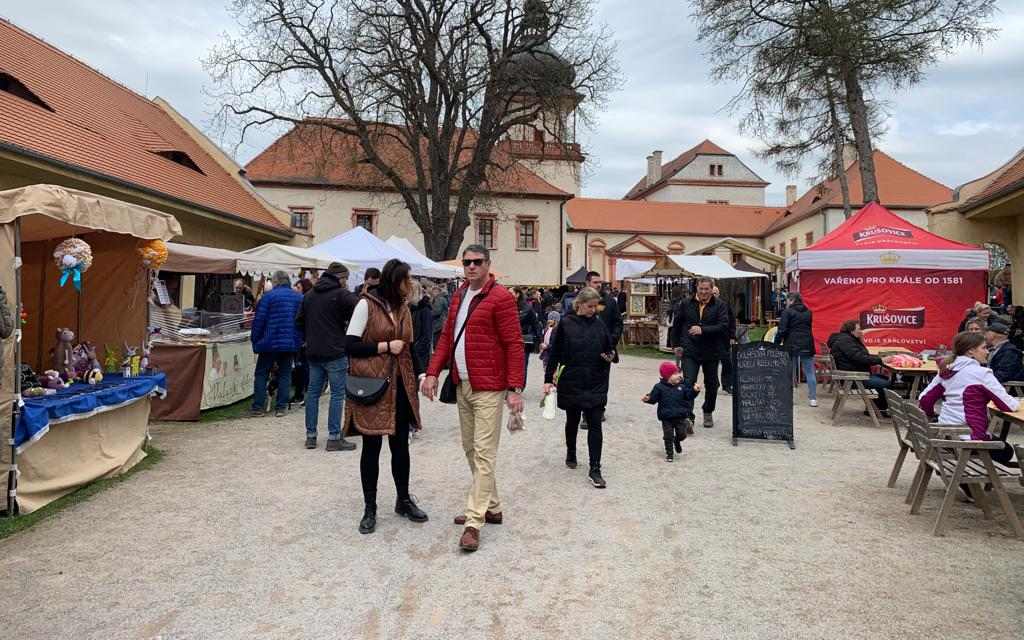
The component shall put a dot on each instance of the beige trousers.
(480, 415)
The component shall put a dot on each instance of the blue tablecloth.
(81, 401)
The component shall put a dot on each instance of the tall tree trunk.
(838, 140)
(858, 112)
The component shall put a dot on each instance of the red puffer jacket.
(492, 338)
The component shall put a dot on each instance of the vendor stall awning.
(187, 258)
(284, 253)
(628, 269)
(49, 211)
(876, 238)
(689, 266)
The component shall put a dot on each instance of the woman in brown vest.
(379, 345)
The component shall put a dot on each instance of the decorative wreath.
(73, 258)
(154, 254)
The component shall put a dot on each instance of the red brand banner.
(912, 308)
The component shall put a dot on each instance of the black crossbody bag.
(365, 390)
(447, 395)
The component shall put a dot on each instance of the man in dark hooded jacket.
(323, 320)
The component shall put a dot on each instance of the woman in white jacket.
(965, 387)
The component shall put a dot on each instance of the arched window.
(675, 247)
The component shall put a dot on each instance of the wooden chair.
(823, 368)
(897, 411)
(851, 384)
(958, 462)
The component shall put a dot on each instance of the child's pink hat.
(667, 370)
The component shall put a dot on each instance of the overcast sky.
(961, 123)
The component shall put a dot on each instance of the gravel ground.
(242, 533)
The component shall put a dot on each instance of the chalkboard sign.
(762, 401)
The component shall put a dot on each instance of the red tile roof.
(315, 155)
(675, 218)
(100, 127)
(707, 148)
(1010, 178)
(899, 186)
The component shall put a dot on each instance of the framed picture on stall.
(642, 288)
(637, 305)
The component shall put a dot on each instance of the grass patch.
(230, 412)
(645, 352)
(10, 526)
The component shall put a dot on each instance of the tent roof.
(367, 250)
(284, 253)
(690, 266)
(410, 248)
(578, 277)
(626, 269)
(186, 258)
(875, 237)
(48, 211)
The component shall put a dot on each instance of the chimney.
(849, 154)
(790, 194)
(653, 167)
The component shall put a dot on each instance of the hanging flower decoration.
(154, 254)
(73, 258)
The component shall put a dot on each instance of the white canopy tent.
(631, 269)
(675, 266)
(287, 254)
(404, 245)
(367, 250)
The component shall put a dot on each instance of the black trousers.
(710, 368)
(595, 437)
(673, 431)
(369, 459)
(727, 371)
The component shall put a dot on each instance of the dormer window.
(10, 84)
(715, 170)
(179, 157)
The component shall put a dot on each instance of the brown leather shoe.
(470, 540)
(490, 517)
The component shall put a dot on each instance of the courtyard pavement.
(242, 533)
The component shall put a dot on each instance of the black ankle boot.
(406, 508)
(369, 522)
(570, 459)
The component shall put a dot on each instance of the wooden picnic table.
(1009, 419)
(928, 369)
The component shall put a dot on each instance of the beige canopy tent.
(188, 258)
(111, 310)
(306, 258)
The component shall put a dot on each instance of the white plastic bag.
(550, 405)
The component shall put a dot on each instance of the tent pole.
(12, 475)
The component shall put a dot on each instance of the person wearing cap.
(275, 342)
(323, 320)
(674, 396)
(1004, 357)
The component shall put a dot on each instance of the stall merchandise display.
(154, 254)
(73, 258)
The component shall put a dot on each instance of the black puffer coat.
(850, 354)
(578, 344)
(795, 330)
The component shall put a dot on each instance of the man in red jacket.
(482, 345)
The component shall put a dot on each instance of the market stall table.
(884, 350)
(1009, 419)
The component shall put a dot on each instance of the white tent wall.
(367, 250)
(403, 244)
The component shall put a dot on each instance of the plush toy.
(144, 362)
(129, 362)
(94, 376)
(50, 379)
(109, 360)
(62, 356)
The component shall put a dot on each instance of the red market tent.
(905, 285)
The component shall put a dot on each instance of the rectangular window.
(301, 217)
(792, 246)
(485, 232)
(568, 256)
(808, 238)
(736, 257)
(715, 170)
(782, 249)
(365, 218)
(526, 234)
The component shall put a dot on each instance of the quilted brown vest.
(379, 419)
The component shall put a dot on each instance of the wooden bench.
(957, 462)
(897, 411)
(848, 384)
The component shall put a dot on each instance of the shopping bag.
(550, 405)
(516, 421)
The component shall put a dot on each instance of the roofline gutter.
(701, 234)
(202, 210)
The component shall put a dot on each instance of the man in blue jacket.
(1004, 357)
(275, 340)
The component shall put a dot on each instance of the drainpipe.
(561, 242)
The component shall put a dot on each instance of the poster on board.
(228, 375)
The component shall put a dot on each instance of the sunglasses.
(476, 262)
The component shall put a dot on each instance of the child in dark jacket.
(674, 397)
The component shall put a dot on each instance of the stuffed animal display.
(62, 354)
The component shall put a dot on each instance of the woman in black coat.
(795, 334)
(581, 343)
(530, 327)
